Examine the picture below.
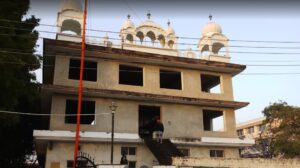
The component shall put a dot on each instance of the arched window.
(161, 40)
(129, 37)
(141, 36)
(205, 50)
(71, 26)
(222, 51)
(151, 36)
(170, 44)
(216, 48)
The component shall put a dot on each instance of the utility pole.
(113, 108)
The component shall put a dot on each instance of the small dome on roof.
(128, 23)
(149, 23)
(211, 27)
(71, 5)
(169, 29)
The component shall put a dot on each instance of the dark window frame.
(240, 132)
(211, 114)
(131, 164)
(86, 107)
(250, 130)
(185, 151)
(128, 150)
(89, 71)
(167, 76)
(209, 81)
(136, 73)
(216, 153)
(70, 163)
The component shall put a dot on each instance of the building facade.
(259, 131)
(190, 92)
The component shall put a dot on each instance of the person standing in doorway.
(124, 160)
(158, 130)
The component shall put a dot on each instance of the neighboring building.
(257, 130)
(147, 79)
(253, 129)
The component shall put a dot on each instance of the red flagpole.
(80, 83)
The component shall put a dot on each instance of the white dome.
(128, 24)
(149, 23)
(211, 27)
(170, 30)
(71, 5)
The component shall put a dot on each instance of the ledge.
(127, 95)
(214, 141)
(85, 136)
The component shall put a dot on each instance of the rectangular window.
(250, 130)
(87, 109)
(128, 150)
(262, 128)
(131, 164)
(216, 153)
(213, 120)
(240, 132)
(185, 151)
(210, 83)
(130, 75)
(89, 71)
(70, 164)
(170, 79)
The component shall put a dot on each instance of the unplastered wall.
(60, 152)
(108, 78)
(179, 120)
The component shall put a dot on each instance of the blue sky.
(245, 21)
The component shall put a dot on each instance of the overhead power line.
(189, 44)
(52, 114)
(179, 37)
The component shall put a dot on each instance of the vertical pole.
(112, 137)
(80, 84)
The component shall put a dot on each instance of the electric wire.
(52, 114)
(156, 42)
(182, 37)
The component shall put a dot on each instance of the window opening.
(170, 79)
(216, 153)
(210, 83)
(213, 120)
(250, 130)
(89, 71)
(131, 164)
(87, 107)
(184, 151)
(128, 150)
(240, 132)
(130, 75)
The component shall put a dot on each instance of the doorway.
(147, 117)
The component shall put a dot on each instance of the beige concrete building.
(253, 129)
(190, 92)
(259, 131)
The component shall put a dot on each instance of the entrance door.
(147, 116)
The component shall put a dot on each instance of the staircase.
(163, 151)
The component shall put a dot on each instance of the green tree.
(284, 127)
(19, 89)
